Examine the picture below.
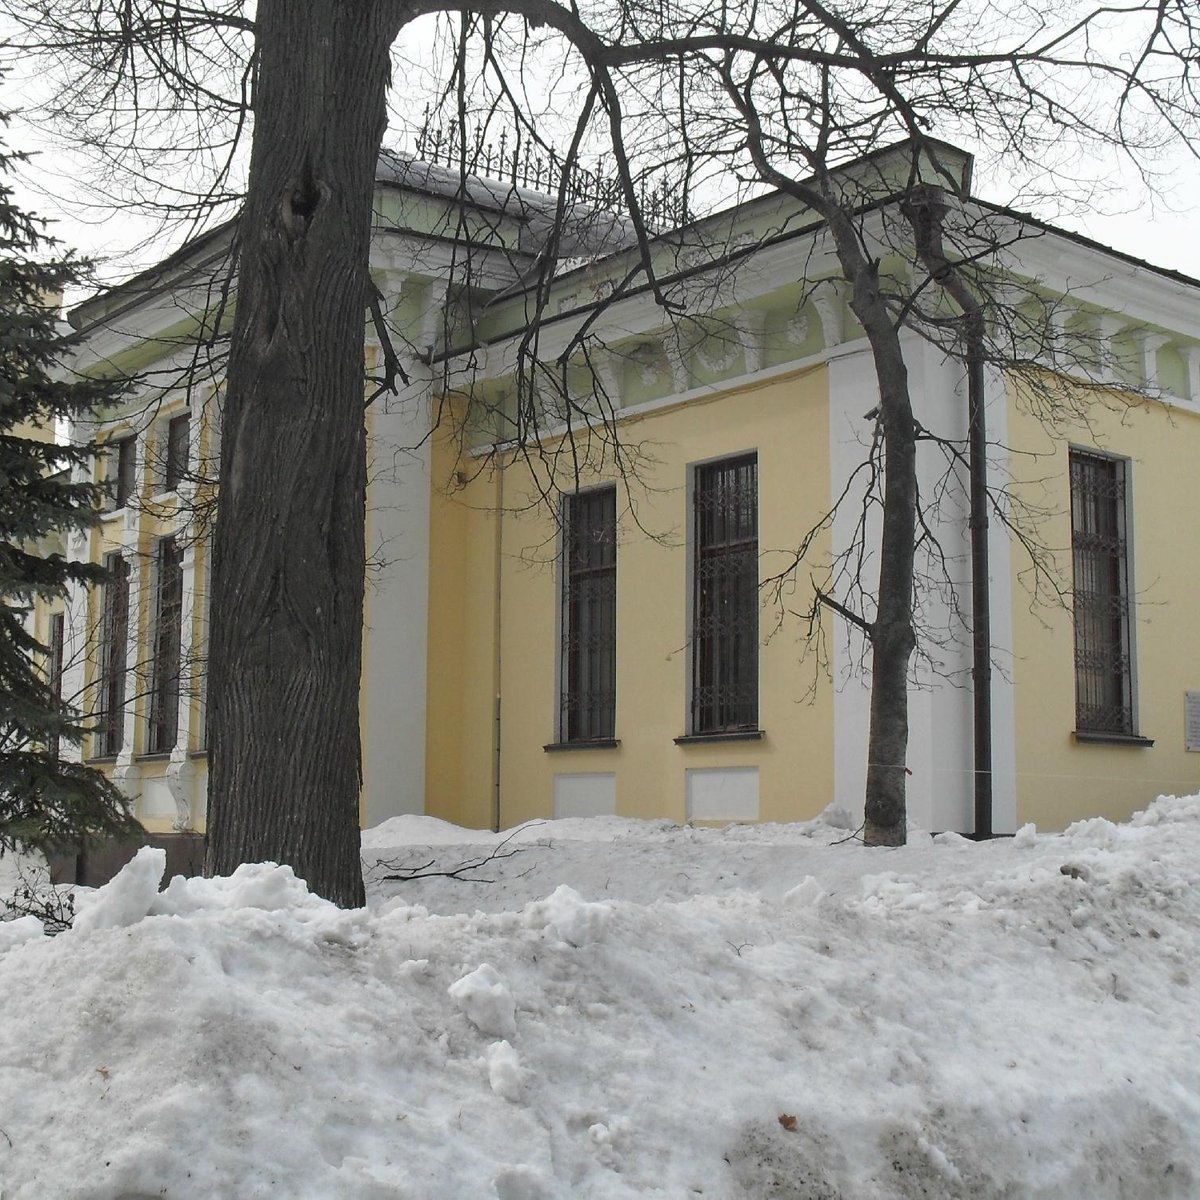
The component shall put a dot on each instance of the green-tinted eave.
(408, 211)
(192, 260)
(772, 217)
(145, 352)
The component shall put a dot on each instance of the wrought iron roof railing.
(531, 164)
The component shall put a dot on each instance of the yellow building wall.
(460, 760)
(153, 518)
(786, 422)
(1060, 779)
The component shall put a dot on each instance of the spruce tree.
(46, 802)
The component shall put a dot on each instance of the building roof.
(589, 234)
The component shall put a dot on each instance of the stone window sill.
(1095, 737)
(733, 735)
(598, 744)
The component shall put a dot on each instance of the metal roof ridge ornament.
(534, 165)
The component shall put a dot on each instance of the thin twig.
(461, 872)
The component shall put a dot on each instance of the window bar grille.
(115, 630)
(123, 464)
(175, 463)
(164, 692)
(725, 597)
(1103, 665)
(588, 691)
(54, 667)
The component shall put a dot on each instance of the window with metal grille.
(54, 666)
(725, 596)
(198, 655)
(114, 631)
(1103, 660)
(175, 453)
(164, 668)
(122, 470)
(588, 683)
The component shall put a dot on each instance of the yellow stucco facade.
(1061, 778)
(461, 713)
(499, 519)
(134, 533)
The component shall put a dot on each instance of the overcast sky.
(1165, 232)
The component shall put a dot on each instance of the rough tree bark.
(891, 632)
(289, 557)
(287, 591)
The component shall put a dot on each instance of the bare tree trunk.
(893, 640)
(891, 632)
(285, 659)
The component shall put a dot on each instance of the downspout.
(497, 660)
(925, 211)
(981, 601)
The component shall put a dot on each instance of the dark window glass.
(1103, 666)
(588, 691)
(198, 658)
(114, 637)
(725, 596)
(175, 459)
(54, 665)
(164, 673)
(122, 468)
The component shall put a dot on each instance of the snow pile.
(654, 1012)
(127, 899)
(570, 917)
(504, 1071)
(485, 1001)
(22, 929)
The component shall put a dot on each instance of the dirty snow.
(611, 1008)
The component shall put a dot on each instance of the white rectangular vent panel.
(585, 794)
(722, 794)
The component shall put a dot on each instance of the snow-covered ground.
(624, 1009)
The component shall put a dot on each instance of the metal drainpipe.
(926, 209)
(497, 665)
(981, 604)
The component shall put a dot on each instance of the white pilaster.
(1110, 326)
(1150, 344)
(829, 299)
(1191, 360)
(396, 626)
(751, 327)
(680, 375)
(1061, 352)
(127, 774)
(181, 770)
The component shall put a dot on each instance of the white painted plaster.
(395, 631)
(181, 773)
(722, 793)
(853, 391)
(157, 803)
(585, 794)
(1000, 552)
(940, 753)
